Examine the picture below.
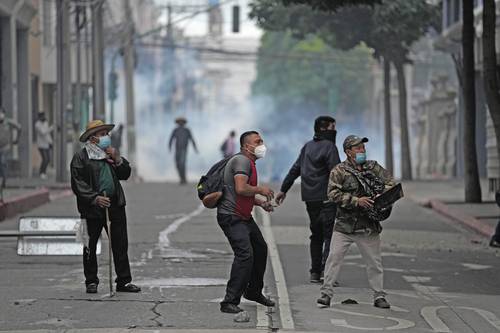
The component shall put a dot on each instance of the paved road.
(439, 278)
(181, 259)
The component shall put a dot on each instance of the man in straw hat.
(182, 136)
(95, 170)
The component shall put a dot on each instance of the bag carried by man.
(211, 186)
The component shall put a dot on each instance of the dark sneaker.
(92, 288)
(324, 301)
(494, 243)
(230, 308)
(128, 288)
(261, 299)
(315, 278)
(381, 303)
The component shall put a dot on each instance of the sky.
(197, 26)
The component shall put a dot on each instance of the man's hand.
(280, 198)
(267, 192)
(267, 206)
(365, 202)
(102, 201)
(114, 154)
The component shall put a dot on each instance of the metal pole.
(98, 60)
(129, 80)
(77, 111)
(62, 86)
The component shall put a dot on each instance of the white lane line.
(475, 266)
(415, 279)
(279, 275)
(163, 240)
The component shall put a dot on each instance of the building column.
(24, 116)
(8, 64)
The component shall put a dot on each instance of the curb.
(464, 219)
(23, 203)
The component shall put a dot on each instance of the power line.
(256, 55)
(187, 17)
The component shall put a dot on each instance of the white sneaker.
(43, 176)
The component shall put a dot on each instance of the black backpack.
(211, 186)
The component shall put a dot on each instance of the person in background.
(316, 159)
(7, 126)
(495, 239)
(182, 136)
(228, 147)
(44, 142)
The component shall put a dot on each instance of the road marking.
(279, 275)
(384, 254)
(163, 239)
(413, 279)
(475, 266)
(401, 323)
(430, 314)
(426, 290)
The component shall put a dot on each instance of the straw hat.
(180, 120)
(93, 127)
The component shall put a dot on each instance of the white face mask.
(260, 151)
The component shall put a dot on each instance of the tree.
(490, 67)
(330, 5)
(390, 29)
(472, 184)
(310, 75)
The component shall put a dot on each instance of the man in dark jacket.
(182, 136)
(96, 171)
(317, 158)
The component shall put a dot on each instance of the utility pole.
(63, 83)
(98, 60)
(80, 12)
(129, 62)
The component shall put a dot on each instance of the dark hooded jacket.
(317, 158)
(85, 183)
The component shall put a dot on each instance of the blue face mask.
(360, 158)
(104, 142)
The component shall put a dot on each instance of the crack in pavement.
(158, 315)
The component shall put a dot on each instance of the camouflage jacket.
(344, 189)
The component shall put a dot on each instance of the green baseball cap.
(353, 140)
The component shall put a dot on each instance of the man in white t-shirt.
(44, 142)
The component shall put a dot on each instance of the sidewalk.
(24, 194)
(448, 199)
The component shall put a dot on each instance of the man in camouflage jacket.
(354, 198)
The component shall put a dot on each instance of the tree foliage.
(314, 76)
(390, 28)
(330, 5)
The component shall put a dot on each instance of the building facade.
(15, 77)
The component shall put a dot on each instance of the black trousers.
(322, 219)
(496, 236)
(119, 243)
(180, 163)
(250, 257)
(45, 154)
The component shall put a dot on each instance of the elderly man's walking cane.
(110, 252)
